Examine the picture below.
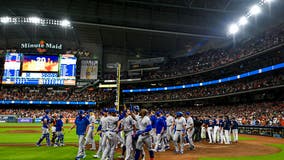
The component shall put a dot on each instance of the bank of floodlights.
(36, 21)
(244, 20)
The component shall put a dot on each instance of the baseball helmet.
(80, 112)
(187, 113)
(112, 110)
(136, 108)
(105, 110)
(158, 113)
(61, 116)
(47, 111)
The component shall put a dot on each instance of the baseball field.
(17, 141)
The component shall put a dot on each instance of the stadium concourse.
(137, 80)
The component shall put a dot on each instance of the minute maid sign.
(42, 46)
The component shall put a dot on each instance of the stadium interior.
(209, 57)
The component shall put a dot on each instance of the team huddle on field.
(136, 129)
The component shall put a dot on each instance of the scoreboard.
(12, 65)
(68, 65)
(47, 71)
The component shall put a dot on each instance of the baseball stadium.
(142, 80)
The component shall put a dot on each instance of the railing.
(262, 131)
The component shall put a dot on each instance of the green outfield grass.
(69, 152)
(12, 138)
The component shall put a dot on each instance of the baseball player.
(136, 116)
(53, 128)
(216, 130)
(143, 134)
(189, 129)
(59, 134)
(45, 129)
(90, 134)
(82, 126)
(103, 129)
(235, 127)
(180, 129)
(153, 119)
(227, 127)
(113, 121)
(128, 125)
(221, 129)
(161, 128)
(210, 126)
(204, 126)
(169, 120)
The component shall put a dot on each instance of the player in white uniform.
(143, 134)
(190, 129)
(113, 121)
(102, 142)
(90, 135)
(180, 129)
(170, 120)
(128, 126)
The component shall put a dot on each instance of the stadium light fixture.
(34, 20)
(255, 10)
(243, 21)
(65, 23)
(233, 29)
(5, 20)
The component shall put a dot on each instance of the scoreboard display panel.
(12, 65)
(39, 69)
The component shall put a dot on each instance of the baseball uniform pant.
(227, 137)
(235, 135)
(90, 138)
(178, 137)
(128, 145)
(111, 142)
(210, 134)
(81, 147)
(189, 135)
(216, 134)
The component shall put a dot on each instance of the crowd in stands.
(256, 114)
(207, 91)
(37, 113)
(218, 57)
(50, 94)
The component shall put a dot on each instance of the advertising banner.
(37, 120)
(25, 120)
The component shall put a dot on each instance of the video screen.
(39, 69)
(36, 63)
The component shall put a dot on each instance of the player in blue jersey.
(235, 127)
(45, 129)
(153, 119)
(221, 130)
(210, 126)
(160, 130)
(82, 126)
(59, 132)
(227, 127)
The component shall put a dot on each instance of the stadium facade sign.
(42, 45)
